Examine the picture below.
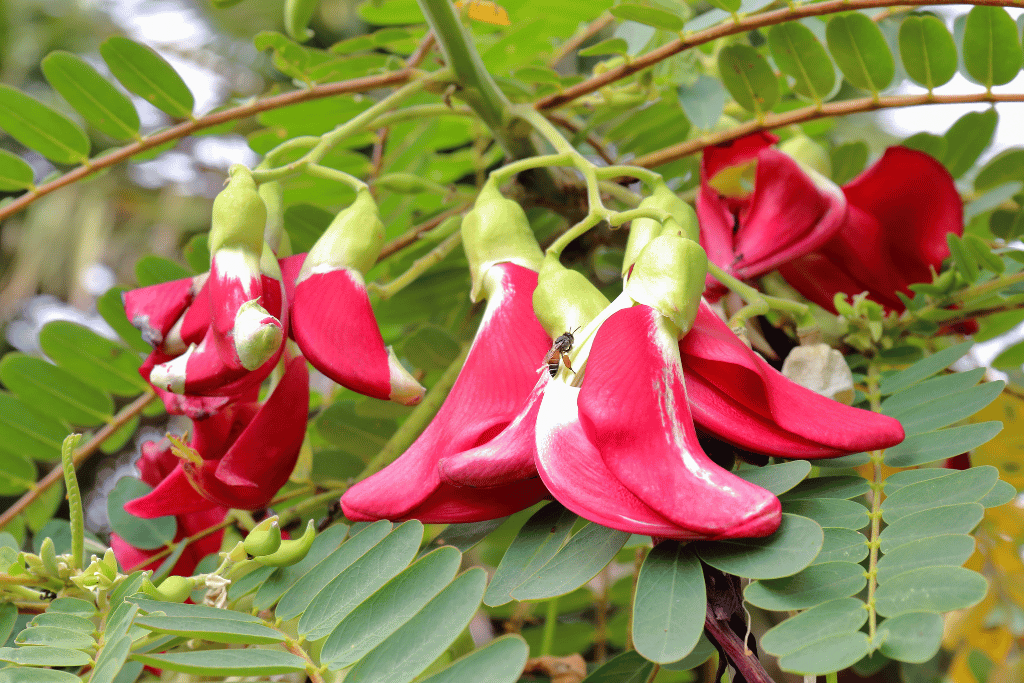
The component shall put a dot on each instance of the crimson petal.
(156, 308)
(174, 495)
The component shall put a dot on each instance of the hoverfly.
(559, 352)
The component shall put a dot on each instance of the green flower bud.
(108, 565)
(682, 221)
(291, 551)
(239, 214)
(265, 537)
(48, 554)
(496, 231)
(669, 277)
(171, 589)
(565, 299)
(352, 240)
(809, 153)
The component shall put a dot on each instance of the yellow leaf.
(485, 11)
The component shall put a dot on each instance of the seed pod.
(171, 589)
(291, 551)
(265, 537)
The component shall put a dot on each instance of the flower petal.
(174, 495)
(156, 308)
(738, 397)
(334, 325)
(633, 407)
(718, 157)
(572, 469)
(495, 381)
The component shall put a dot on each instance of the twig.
(422, 50)
(591, 138)
(573, 43)
(729, 28)
(812, 112)
(203, 122)
(80, 456)
(402, 241)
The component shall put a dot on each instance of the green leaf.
(932, 145)
(669, 604)
(749, 78)
(842, 545)
(15, 174)
(799, 54)
(393, 605)
(938, 551)
(430, 348)
(66, 398)
(38, 127)
(325, 543)
(145, 73)
(92, 358)
(817, 584)
(828, 654)
(923, 369)
(927, 50)
(920, 394)
(830, 512)
(963, 260)
(390, 12)
(967, 138)
(71, 622)
(73, 606)
(411, 649)
(219, 630)
(536, 543)
(297, 598)
(111, 307)
(587, 552)
(992, 53)
(787, 551)
(246, 662)
(945, 443)
(848, 160)
(930, 589)
(27, 432)
(777, 478)
(92, 96)
(860, 51)
(40, 676)
(187, 611)
(1005, 167)
(43, 655)
(1010, 358)
(500, 661)
(727, 5)
(967, 486)
(648, 16)
(1001, 494)
(842, 486)
(17, 472)
(845, 615)
(703, 101)
(612, 46)
(898, 480)
(55, 636)
(946, 519)
(147, 534)
(153, 270)
(8, 617)
(948, 409)
(628, 667)
(911, 637)
(462, 537)
(360, 580)
(111, 659)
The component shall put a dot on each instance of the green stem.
(555, 138)
(421, 265)
(418, 419)
(572, 233)
(647, 176)
(328, 173)
(502, 174)
(621, 217)
(75, 511)
(550, 625)
(877, 485)
(832, 677)
(620, 193)
(757, 303)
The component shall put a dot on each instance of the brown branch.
(573, 43)
(203, 122)
(422, 50)
(81, 455)
(810, 113)
(591, 138)
(402, 241)
(730, 28)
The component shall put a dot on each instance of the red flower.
(499, 373)
(900, 211)
(155, 464)
(238, 457)
(787, 212)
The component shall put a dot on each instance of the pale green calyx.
(669, 277)
(682, 221)
(808, 153)
(273, 234)
(352, 240)
(565, 299)
(239, 214)
(496, 231)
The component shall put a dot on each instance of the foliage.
(871, 551)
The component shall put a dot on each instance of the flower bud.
(239, 214)
(565, 299)
(291, 551)
(48, 554)
(352, 240)
(682, 221)
(257, 335)
(669, 277)
(265, 538)
(496, 231)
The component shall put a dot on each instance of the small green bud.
(565, 299)
(682, 221)
(239, 214)
(48, 555)
(352, 240)
(265, 537)
(496, 231)
(669, 277)
(291, 551)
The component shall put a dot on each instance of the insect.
(559, 351)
